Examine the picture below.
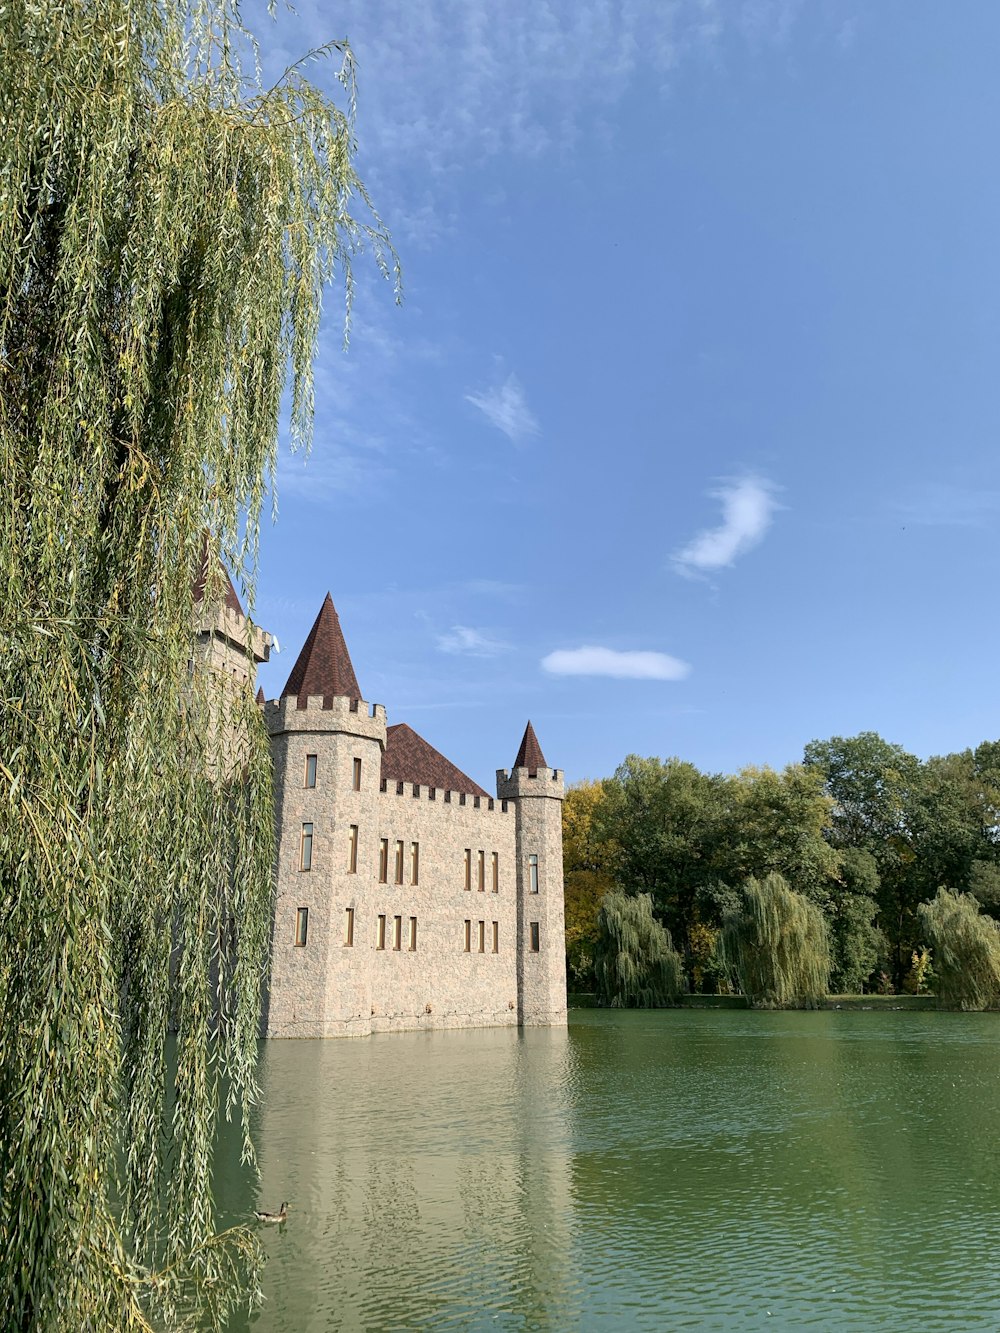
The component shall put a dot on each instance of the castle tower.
(224, 638)
(327, 747)
(538, 792)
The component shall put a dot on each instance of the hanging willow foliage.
(966, 951)
(166, 228)
(775, 944)
(634, 961)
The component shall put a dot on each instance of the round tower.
(538, 792)
(327, 747)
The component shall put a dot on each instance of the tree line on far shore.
(861, 869)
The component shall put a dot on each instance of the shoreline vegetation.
(861, 871)
(855, 1003)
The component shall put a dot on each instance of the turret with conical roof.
(538, 793)
(327, 746)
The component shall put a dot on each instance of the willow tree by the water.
(775, 943)
(166, 228)
(965, 946)
(635, 962)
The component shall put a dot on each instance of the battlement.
(235, 628)
(416, 791)
(515, 783)
(318, 713)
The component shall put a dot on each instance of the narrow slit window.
(349, 928)
(310, 770)
(357, 774)
(413, 934)
(399, 861)
(468, 937)
(380, 933)
(301, 927)
(383, 861)
(496, 936)
(496, 872)
(306, 848)
(534, 937)
(414, 862)
(468, 867)
(482, 936)
(397, 933)
(482, 872)
(533, 873)
(352, 852)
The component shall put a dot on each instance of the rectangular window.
(357, 775)
(414, 862)
(413, 934)
(496, 872)
(301, 927)
(482, 871)
(534, 937)
(496, 936)
(310, 770)
(468, 937)
(533, 873)
(349, 928)
(397, 933)
(306, 848)
(482, 937)
(468, 867)
(352, 856)
(383, 861)
(399, 861)
(380, 933)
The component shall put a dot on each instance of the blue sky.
(683, 441)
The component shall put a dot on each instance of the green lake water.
(668, 1170)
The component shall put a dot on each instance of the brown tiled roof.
(530, 754)
(260, 696)
(324, 664)
(225, 584)
(409, 758)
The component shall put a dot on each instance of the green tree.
(965, 947)
(775, 943)
(857, 946)
(661, 819)
(636, 964)
(778, 822)
(586, 878)
(166, 228)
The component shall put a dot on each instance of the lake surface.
(668, 1170)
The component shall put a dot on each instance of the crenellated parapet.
(444, 796)
(236, 629)
(512, 784)
(352, 717)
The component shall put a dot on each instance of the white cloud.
(748, 507)
(593, 661)
(506, 408)
(470, 642)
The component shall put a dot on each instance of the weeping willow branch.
(635, 962)
(966, 949)
(167, 227)
(775, 945)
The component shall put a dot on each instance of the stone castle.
(407, 897)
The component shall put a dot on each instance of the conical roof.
(260, 700)
(530, 755)
(324, 665)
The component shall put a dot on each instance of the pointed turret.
(324, 665)
(260, 700)
(530, 755)
(222, 583)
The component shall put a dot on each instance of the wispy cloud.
(593, 661)
(470, 642)
(748, 506)
(505, 407)
(943, 505)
